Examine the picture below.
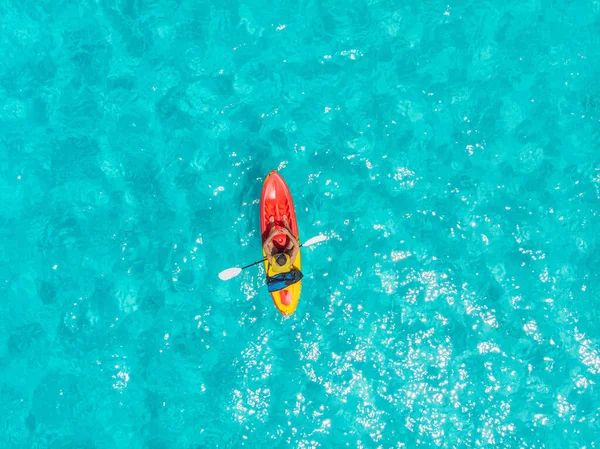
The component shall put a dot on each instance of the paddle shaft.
(257, 262)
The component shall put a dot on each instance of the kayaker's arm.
(295, 245)
(268, 252)
(268, 244)
(294, 252)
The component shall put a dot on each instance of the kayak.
(276, 201)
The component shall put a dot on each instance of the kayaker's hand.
(274, 231)
(287, 232)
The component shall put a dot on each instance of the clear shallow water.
(449, 152)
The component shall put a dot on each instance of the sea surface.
(450, 152)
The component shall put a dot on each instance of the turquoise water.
(449, 152)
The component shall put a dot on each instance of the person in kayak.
(281, 262)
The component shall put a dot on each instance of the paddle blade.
(314, 240)
(229, 273)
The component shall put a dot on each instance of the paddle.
(230, 273)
